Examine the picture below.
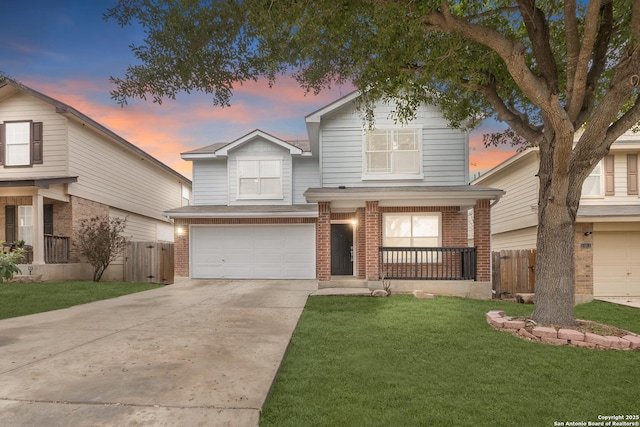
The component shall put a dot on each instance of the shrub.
(100, 240)
(9, 264)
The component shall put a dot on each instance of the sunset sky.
(66, 50)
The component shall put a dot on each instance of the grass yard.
(403, 361)
(20, 299)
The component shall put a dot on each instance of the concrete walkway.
(198, 353)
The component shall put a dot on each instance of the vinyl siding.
(260, 148)
(305, 175)
(22, 107)
(444, 150)
(514, 210)
(210, 182)
(139, 228)
(518, 239)
(111, 174)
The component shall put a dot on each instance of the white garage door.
(616, 263)
(253, 251)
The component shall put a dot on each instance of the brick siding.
(583, 259)
(482, 239)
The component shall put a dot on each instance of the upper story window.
(592, 186)
(393, 153)
(21, 143)
(260, 179)
(186, 195)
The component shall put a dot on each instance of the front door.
(341, 250)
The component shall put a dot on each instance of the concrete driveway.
(194, 353)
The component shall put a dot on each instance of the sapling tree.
(101, 240)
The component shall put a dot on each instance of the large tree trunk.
(558, 200)
(555, 266)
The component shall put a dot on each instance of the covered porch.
(35, 214)
(416, 237)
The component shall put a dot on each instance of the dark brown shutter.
(2, 138)
(609, 176)
(47, 216)
(10, 223)
(632, 174)
(36, 143)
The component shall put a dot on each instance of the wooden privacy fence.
(514, 271)
(149, 262)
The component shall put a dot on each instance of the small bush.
(9, 264)
(100, 240)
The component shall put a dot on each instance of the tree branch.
(598, 64)
(516, 120)
(511, 53)
(572, 42)
(578, 85)
(538, 31)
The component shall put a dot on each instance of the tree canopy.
(545, 68)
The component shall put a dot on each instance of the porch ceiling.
(37, 182)
(455, 195)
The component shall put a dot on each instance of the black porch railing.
(56, 250)
(406, 263)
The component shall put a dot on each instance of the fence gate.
(514, 271)
(149, 262)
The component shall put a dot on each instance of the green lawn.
(403, 361)
(20, 299)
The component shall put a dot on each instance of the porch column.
(482, 239)
(38, 229)
(323, 242)
(372, 230)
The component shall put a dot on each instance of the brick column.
(372, 230)
(323, 242)
(583, 259)
(361, 244)
(181, 247)
(482, 239)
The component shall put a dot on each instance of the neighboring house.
(58, 167)
(607, 245)
(350, 203)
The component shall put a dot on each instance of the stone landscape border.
(553, 336)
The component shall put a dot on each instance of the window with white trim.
(394, 153)
(18, 144)
(413, 230)
(260, 179)
(592, 186)
(25, 224)
(186, 195)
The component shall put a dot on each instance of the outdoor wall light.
(588, 233)
(180, 231)
(354, 222)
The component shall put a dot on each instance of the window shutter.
(10, 223)
(1, 144)
(36, 143)
(632, 174)
(47, 216)
(609, 176)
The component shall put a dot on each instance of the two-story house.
(58, 167)
(607, 236)
(353, 202)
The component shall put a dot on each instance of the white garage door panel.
(253, 251)
(616, 264)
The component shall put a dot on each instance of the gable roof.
(67, 110)
(313, 120)
(222, 149)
